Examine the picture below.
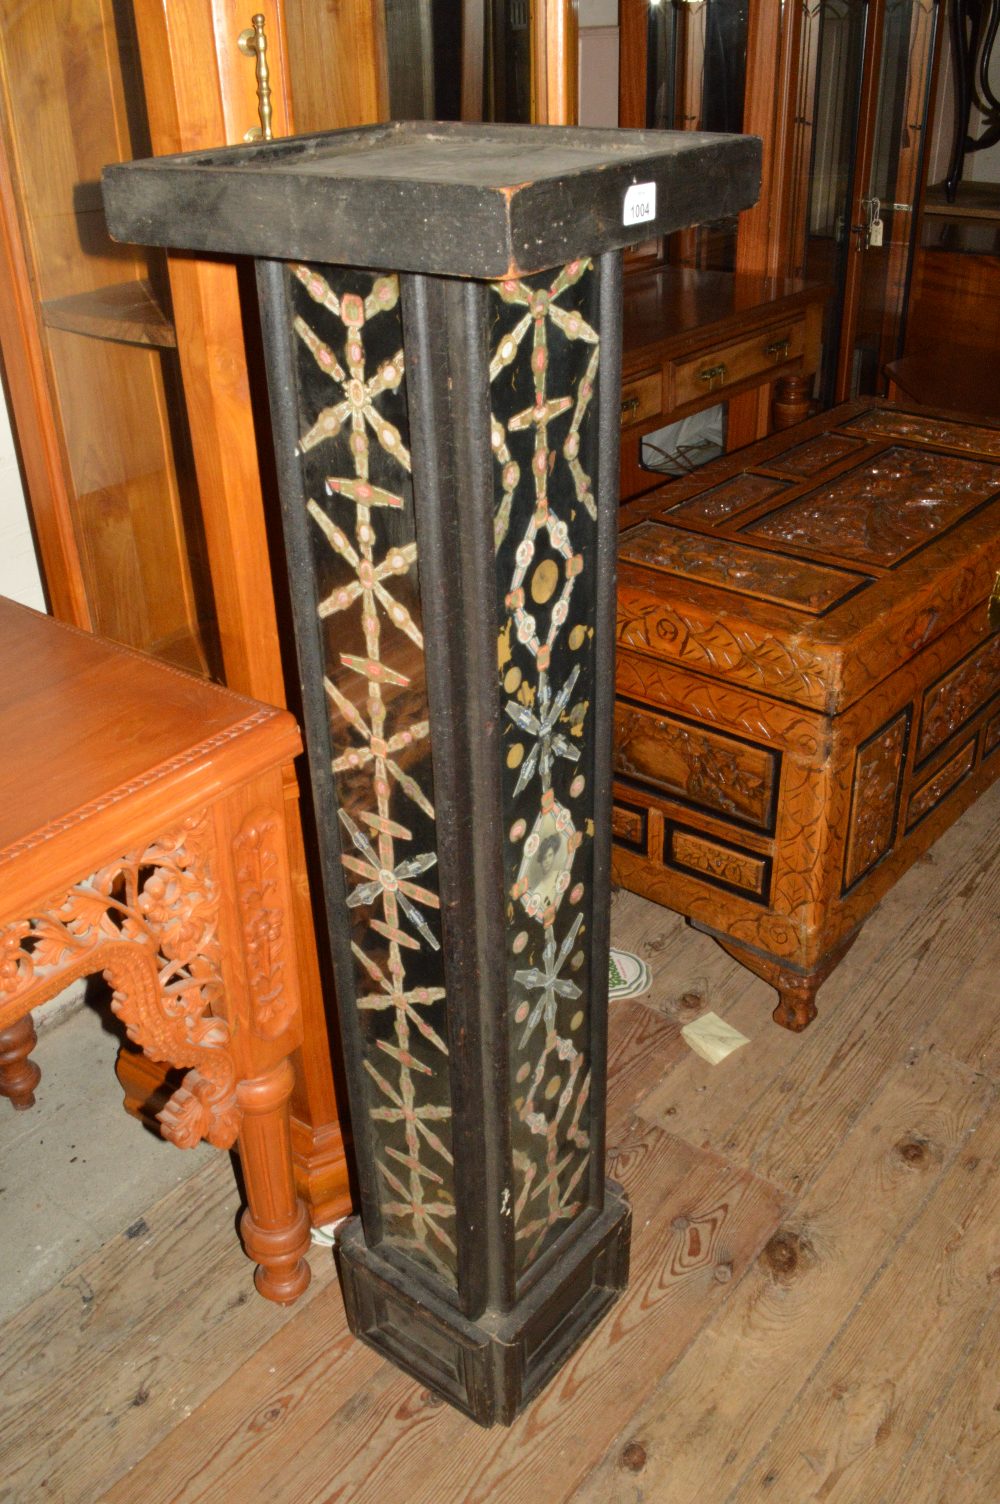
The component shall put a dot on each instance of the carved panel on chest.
(717, 773)
(808, 687)
(881, 511)
(878, 772)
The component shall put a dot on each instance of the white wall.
(19, 575)
(598, 21)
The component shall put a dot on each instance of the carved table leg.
(18, 1075)
(275, 1225)
(791, 400)
(796, 989)
(190, 930)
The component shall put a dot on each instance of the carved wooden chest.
(808, 684)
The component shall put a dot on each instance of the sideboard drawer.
(715, 370)
(642, 398)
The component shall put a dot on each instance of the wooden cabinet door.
(88, 350)
(856, 148)
(326, 65)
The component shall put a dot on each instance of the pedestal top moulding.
(441, 309)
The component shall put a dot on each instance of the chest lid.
(811, 565)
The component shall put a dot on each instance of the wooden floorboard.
(130, 1343)
(716, 1411)
(814, 1308)
(849, 1432)
(700, 1223)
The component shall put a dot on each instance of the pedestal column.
(442, 444)
(441, 310)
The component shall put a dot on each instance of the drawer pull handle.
(252, 42)
(993, 608)
(630, 406)
(712, 374)
(778, 348)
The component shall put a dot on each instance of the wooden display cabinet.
(89, 353)
(695, 338)
(840, 96)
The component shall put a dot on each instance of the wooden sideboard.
(694, 338)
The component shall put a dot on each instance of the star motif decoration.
(392, 882)
(549, 983)
(549, 743)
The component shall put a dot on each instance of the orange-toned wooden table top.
(142, 835)
(118, 735)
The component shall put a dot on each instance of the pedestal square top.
(462, 200)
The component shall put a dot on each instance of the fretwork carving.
(149, 922)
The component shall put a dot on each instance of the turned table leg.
(190, 930)
(275, 1225)
(18, 1075)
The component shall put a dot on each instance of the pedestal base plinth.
(489, 1368)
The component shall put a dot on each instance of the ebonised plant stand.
(441, 309)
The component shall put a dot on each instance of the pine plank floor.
(813, 1314)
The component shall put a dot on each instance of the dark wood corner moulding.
(442, 318)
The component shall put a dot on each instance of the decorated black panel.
(353, 449)
(544, 351)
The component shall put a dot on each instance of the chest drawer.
(642, 398)
(715, 370)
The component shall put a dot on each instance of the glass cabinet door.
(696, 53)
(857, 154)
(890, 192)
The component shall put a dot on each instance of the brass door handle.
(253, 43)
(712, 374)
(630, 406)
(778, 348)
(993, 606)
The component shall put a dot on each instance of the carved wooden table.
(446, 424)
(142, 836)
(808, 679)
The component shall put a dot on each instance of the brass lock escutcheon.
(253, 43)
(993, 606)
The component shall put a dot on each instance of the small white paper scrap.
(326, 1236)
(712, 1038)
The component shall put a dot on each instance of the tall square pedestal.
(441, 310)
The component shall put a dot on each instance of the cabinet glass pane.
(430, 49)
(696, 80)
(833, 40)
(904, 81)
